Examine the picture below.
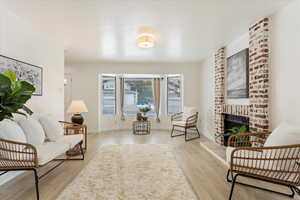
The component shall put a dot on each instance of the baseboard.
(214, 154)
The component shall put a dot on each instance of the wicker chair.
(276, 164)
(186, 120)
(17, 156)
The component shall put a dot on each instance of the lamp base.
(77, 119)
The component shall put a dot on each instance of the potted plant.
(144, 109)
(233, 131)
(13, 96)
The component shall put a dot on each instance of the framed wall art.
(238, 75)
(24, 71)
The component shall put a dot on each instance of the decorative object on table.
(184, 121)
(77, 107)
(141, 127)
(14, 94)
(144, 109)
(238, 75)
(163, 178)
(139, 116)
(74, 129)
(24, 71)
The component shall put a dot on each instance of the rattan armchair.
(185, 121)
(17, 156)
(276, 164)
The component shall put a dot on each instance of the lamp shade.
(77, 106)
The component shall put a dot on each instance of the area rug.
(130, 172)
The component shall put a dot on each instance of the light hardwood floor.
(204, 172)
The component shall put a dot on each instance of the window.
(174, 100)
(138, 91)
(108, 95)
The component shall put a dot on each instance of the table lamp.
(77, 107)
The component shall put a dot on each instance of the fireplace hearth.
(231, 121)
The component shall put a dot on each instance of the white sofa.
(30, 143)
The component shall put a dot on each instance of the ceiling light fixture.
(145, 38)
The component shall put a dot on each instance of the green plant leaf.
(13, 95)
(11, 75)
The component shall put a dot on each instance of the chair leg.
(198, 136)
(227, 177)
(36, 184)
(172, 131)
(232, 186)
(185, 134)
(198, 131)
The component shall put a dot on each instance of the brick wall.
(257, 111)
(219, 92)
(259, 75)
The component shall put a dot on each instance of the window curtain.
(122, 82)
(156, 93)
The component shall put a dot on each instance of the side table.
(141, 127)
(71, 129)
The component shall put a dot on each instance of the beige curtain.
(122, 82)
(156, 92)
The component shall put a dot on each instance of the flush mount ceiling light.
(145, 38)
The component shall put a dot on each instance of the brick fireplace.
(257, 110)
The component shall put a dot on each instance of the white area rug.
(130, 172)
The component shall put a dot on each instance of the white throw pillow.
(10, 130)
(33, 130)
(284, 134)
(53, 130)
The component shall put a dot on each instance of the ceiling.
(106, 30)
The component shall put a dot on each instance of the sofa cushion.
(33, 130)
(10, 130)
(284, 134)
(71, 140)
(50, 150)
(52, 128)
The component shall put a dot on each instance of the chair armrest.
(267, 160)
(248, 139)
(17, 155)
(192, 120)
(177, 116)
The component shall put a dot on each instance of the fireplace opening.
(231, 121)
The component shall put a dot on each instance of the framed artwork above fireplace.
(238, 75)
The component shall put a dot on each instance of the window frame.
(115, 94)
(140, 77)
(167, 94)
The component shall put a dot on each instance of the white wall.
(19, 40)
(284, 67)
(85, 86)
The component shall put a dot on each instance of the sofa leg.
(81, 150)
(36, 184)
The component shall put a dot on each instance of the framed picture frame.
(238, 75)
(24, 71)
